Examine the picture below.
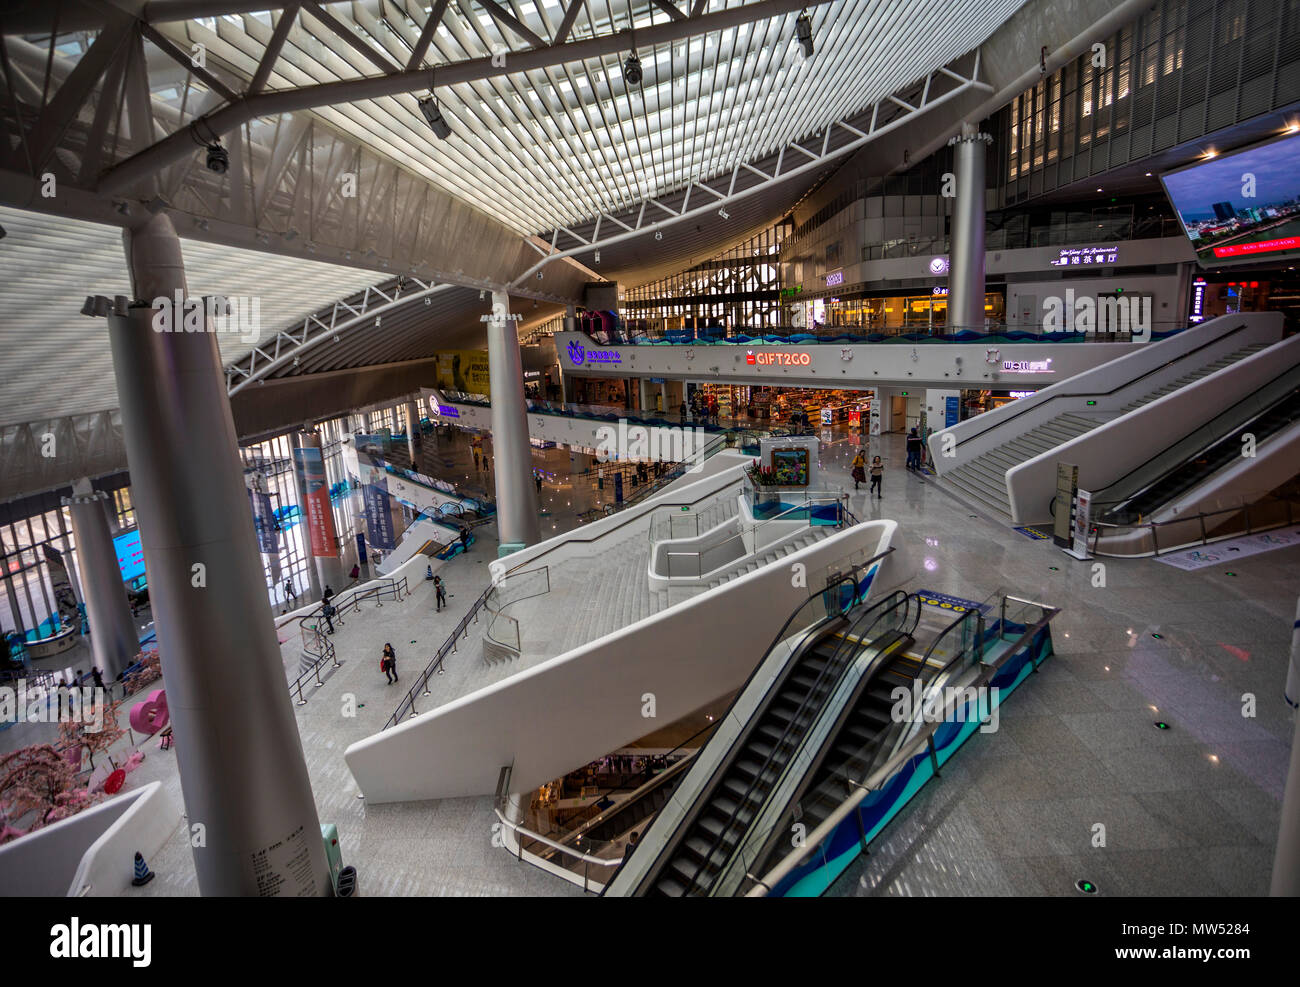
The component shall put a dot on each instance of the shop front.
(920, 311)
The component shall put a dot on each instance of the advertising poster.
(320, 519)
(1082, 517)
(464, 370)
(64, 596)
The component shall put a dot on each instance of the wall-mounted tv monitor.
(1243, 207)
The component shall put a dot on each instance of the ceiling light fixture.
(803, 31)
(433, 115)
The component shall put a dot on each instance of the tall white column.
(113, 636)
(517, 521)
(966, 256)
(241, 763)
(413, 433)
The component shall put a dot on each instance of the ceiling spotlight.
(659, 234)
(437, 122)
(88, 306)
(724, 214)
(632, 70)
(156, 205)
(123, 207)
(3, 232)
(597, 256)
(803, 31)
(482, 293)
(202, 224)
(289, 235)
(218, 158)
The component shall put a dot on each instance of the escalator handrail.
(848, 642)
(1103, 394)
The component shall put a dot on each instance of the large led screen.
(1242, 207)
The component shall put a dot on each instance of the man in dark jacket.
(913, 450)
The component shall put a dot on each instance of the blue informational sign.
(130, 556)
(618, 488)
(379, 519)
(268, 540)
(361, 548)
(951, 411)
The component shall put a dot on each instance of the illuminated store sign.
(446, 411)
(834, 278)
(778, 359)
(1028, 366)
(578, 354)
(1086, 255)
(1022, 394)
(1198, 301)
(938, 290)
(938, 265)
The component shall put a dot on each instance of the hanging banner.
(379, 517)
(65, 599)
(310, 464)
(268, 529)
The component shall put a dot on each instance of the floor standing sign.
(1067, 482)
(1082, 520)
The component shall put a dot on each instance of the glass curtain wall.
(738, 288)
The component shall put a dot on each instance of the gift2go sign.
(777, 359)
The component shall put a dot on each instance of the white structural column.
(241, 762)
(517, 522)
(413, 432)
(113, 636)
(966, 256)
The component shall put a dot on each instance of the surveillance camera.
(218, 159)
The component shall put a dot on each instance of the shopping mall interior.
(555, 450)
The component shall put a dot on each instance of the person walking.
(464, 539)
(327, 608)
(440, 589)
(289, 593)
(537, 478)
(388, 664)
(859, 469)
(877, 474)
(913, 450)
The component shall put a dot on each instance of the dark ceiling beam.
(272, 53)
(426, 35)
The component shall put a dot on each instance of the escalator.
(754, 766)
(705, 841)
(864, 738)
(1197, 457)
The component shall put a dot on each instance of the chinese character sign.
(310, 464)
